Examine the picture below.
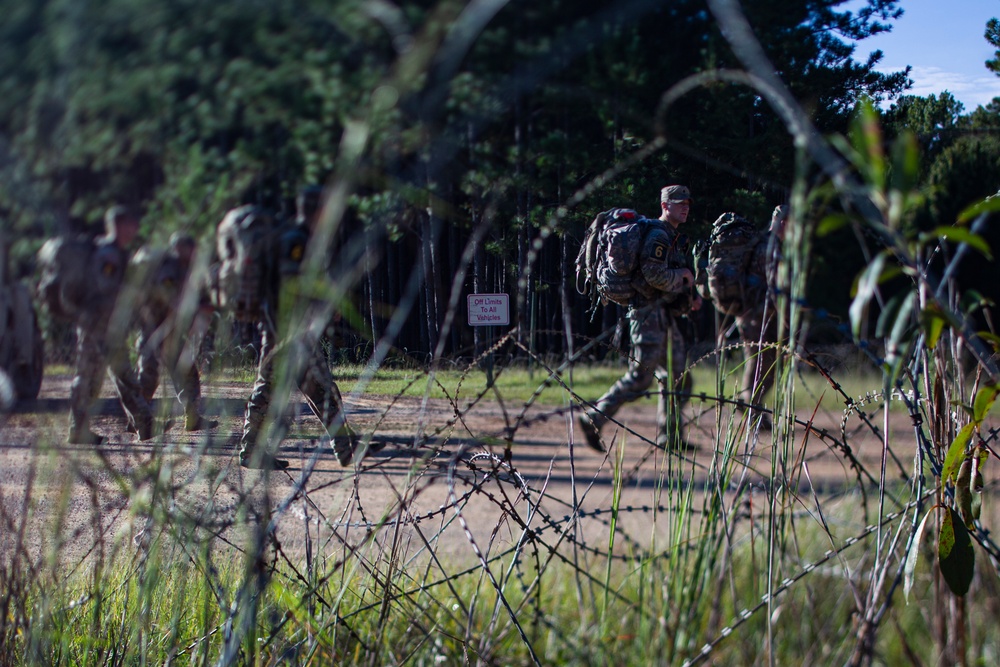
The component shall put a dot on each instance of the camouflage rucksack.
(244, 239)
(63, 282)
(609, 256)
(255, 253)
(291, 248)
(722, 266)
(160, 276)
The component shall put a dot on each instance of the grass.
(519, 383)
(164, 603)
(660, 571)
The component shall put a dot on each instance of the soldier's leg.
(90, 365)
(758, 335)
(253, 452)
(187, 382)
(675, 389)
(148, 365)
(137, 411)
(323, 396)
(645, 330)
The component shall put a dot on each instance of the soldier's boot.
(84, 436)
(673, 440)
(262, 461)
(199, 423)
(195, 422)
(762, 419)
(670, 436)
(757, 418)
(591, 430)
(676, 445)
(147, 428)
(345, 443)
(255, 456)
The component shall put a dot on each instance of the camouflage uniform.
(301, 354)
(758, 323)
(658, 346)
(158, 341)
(101, 345)
(313, 378)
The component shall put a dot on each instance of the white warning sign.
(489, 310)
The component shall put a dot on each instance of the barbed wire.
(546, 528)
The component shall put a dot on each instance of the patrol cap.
(116, 214)
(182, 245)
(178, 239)
(309, 201)
(675, 194)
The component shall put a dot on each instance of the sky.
(942, 40)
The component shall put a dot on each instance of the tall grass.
(462, 559)
(785, 547)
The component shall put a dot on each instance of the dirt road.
(444, 468)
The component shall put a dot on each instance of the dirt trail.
(433, 456)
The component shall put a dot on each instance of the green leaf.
(991, 338)
(901, 333)
(932, 322)
(832, 223)
(960, 235)
(905, 162)
(963, 492)
(956, 557)
(912, 555)
(956, 452)
(901, 327)
(979, 456)
(973, 300)
(890, 314)
(867, 283)
(984, 400)
(988, 205)
(869, 142)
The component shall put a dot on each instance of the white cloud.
(972, 91)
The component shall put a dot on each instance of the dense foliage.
(493, 122)
(465, 146)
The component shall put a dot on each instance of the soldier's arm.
(757, 269)
(657, 269)
(104, 277)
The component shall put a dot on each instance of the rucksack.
(244, 242)
(291, 249)
(609, 256)
(725, 260)
(63, 283)
(159, 275)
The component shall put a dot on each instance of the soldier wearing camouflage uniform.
(658, 346)
(158, 342)
(21, 347)
(100, 335)
(311, 369)
(758, 323)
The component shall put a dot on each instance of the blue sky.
(943, 42)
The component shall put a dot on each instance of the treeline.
(466, 146)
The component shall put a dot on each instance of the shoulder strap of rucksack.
(586, 258)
